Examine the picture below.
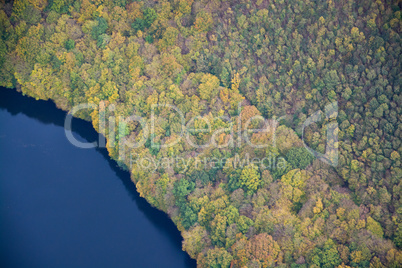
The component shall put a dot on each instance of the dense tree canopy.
(225, 65)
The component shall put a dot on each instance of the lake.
(62, 206)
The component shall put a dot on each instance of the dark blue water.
(62, 206)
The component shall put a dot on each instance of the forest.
(281, 60)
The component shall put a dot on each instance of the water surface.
(62, 206)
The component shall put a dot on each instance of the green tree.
(244, 223)
(374, 227)
(181, 189)
(250, 179)
(299, 157)
(195, 240)
(208, 87)
(150, 16)
(100, 28)
(70, 44)
(218, 258)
